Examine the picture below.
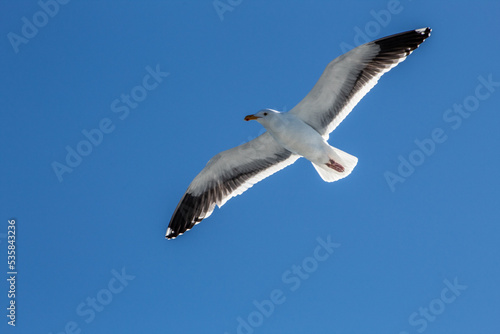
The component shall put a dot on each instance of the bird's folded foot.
(335, 166)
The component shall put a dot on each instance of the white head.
(265, 116)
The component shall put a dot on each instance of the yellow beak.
(251, 117)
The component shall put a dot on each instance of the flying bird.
(301, 132)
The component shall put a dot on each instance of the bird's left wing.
(226, 175)
(349, 77)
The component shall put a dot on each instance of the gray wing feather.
(349, 77)
(226, 175)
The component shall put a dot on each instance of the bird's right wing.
(349, 77)
(226, 175)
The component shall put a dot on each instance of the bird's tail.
(340, 165)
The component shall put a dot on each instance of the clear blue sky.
(418, 253)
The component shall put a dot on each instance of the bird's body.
(298, 137)
(301, 132)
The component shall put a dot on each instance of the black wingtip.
(187, 214)
(426, 32)
(170, 234)
(404, 43)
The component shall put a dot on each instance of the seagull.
(301, 132)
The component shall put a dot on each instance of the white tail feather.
(345, 159)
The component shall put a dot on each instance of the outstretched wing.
(349, 77)
(226, 175)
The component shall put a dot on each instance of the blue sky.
(408, 243)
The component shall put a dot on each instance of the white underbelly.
(299, 138)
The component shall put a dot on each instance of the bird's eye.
(265, 114)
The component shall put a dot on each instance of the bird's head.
(263, 116)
